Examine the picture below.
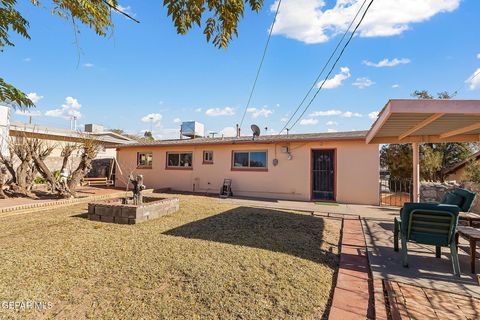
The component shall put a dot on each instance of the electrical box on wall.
(285, 149)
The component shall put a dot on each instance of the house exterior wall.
(357, 170)
(459, 175)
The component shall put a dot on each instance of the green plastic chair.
(428, 223)
(462, 198)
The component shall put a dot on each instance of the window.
(179, 160)
(250, 159)
(144, 159)
(208, 157)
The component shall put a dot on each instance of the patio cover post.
(416, 172)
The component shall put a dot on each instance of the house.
(320, 166)
(458, 172)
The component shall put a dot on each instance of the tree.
(473, 171)
(435, 158)
(220, 26)
(148, 136)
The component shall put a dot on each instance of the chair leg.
(455, 262)
(395, 234)
(438, 252)
(404, 252)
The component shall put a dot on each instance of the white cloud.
(265, 112)
(167, 133)
(311, 22)
(332, 130)
(336, 80)
(332, 123)
(373, 115)
(395, 86)
(325, 113)
(28, 113)
(88, 65)
(214, 112)
(386, 62)
(329, 113)
(305, 122)
(349, 114)
(284, 119)
(198, 110)
(363, 83)
(27, 59)
(34, 97)
(474, 80)
(68, 110)
(478, 56)
(228, 132)
(152, 117)
(126, 9)
(177, 120)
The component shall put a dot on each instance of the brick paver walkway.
(354, 288)
(412, 302)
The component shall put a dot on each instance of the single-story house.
(320, 166)
(458, 172)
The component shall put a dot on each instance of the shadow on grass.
(278, 231)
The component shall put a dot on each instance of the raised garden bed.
(115, 211)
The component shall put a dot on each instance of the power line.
(469, 79)
(324, 67)
(261, 63)
(334, 64)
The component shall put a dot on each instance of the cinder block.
(91, 208)
(94, 217)
(121, 220)
(102, 210)
(132, 221)
(129, 212)
(109, 219)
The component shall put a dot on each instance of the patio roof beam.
(426, 139)
(459, 131)
(421, 125)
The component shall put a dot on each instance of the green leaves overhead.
(220, 26)
(13, 97)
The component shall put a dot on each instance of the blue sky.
(147, 69)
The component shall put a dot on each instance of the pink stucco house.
(322, 166)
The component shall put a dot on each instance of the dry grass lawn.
(210, 260)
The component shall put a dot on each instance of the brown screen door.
(323, 175)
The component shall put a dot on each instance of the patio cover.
(426, 121)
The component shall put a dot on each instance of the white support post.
(416, 172)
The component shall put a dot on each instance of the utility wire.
(334, 64)
(261, 63)
(469, 79)
(324, 67)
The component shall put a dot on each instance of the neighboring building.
(61, 137)
(458, 172)
(322, 166)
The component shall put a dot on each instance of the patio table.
(470, 217)
(472, 235)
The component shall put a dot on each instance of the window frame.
(207, 161)
(262, 169)
(168, 167)
(139, 166)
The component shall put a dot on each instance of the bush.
(39, 180)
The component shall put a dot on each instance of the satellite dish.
(256, 130)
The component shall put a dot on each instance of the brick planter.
(114, 211)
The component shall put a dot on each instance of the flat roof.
(34, 130)
(413, 120)
(329, 136)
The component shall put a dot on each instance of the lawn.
(208, 260)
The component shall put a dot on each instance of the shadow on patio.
(295, 234)
(424, 269)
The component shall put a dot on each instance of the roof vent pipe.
(238, 131)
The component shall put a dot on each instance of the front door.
(323, 175)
